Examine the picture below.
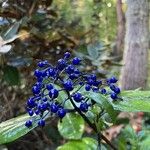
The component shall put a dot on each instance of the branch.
(93, 126)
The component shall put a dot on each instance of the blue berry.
(73, 76)
(76, 61)
(44, 73)
(41, 108)
(112, 87)
(38, 84)
(40, 79)
(54, 108)
(97, 83)
(44, 99)
(67, 55)
(37, 112)
(95, 89)
(68, 85)
(93, 77)
(113, 96)
(81, 83)
(45, 105)
(87, 87)
(70, 69)
(103, 91)
(49, 86)
(61, 64)
(37, 73)
(35, 90)
(117, 90)
(76, 71)
(51, 72)
(77, 97)
(41, 123)
(42, 63)
(113, 80)
(28, 123)
(61, 113)
(84, 107)
(90, 82)
(31, 103)
(30, 113)
(53, 93)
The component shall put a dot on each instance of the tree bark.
(118, 49)
(134, 71)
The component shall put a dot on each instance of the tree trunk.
(134, 71)
(118, 49)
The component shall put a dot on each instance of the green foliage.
(136, 141)
(83, 144)
(11, 75)
(133, 101)
(71, 127)
(15, 128)
(103, 102)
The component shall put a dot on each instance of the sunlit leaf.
(15, 128)
(71, 127)
(133, 101)
(84, 144)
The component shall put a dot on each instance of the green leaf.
(93, 50)
(144, 145)
(104, 103)
(12, 31)
(15, 128)
(11, 75)
(12, 129)
(133, 101)
(84, 144)
(71, 127)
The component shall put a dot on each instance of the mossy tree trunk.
(135, 59)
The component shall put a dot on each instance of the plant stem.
(93, 126)
(99, 141)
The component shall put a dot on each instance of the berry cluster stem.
(93, 126)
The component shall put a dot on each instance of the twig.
(32, 7)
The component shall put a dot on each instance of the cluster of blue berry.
(67, 75)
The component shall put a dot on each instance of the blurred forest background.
(106, 33)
